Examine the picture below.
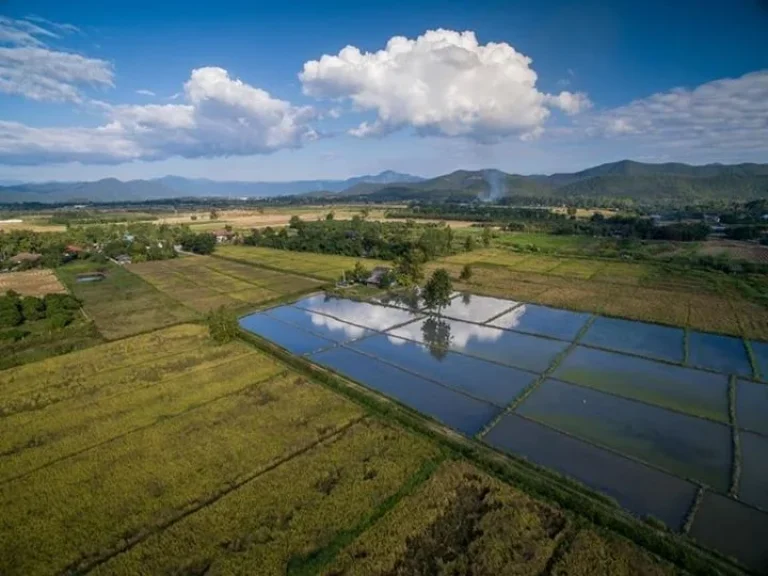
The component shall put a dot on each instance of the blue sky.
(261, 91)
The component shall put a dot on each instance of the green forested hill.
(625, 179)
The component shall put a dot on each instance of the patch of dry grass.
(31, 283)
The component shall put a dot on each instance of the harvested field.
(31, 283)
(203, 282)
(122, 304)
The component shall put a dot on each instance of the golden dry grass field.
(32, 282)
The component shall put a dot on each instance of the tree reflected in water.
(437, 336)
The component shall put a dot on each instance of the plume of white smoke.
(497, 186)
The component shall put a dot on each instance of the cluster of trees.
(202, 243)
(477, 212)
(142, 241)
(58, 310)
(633, 227)
(357, 237)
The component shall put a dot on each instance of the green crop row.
(31, 440)
(60, 371)
(105, 384)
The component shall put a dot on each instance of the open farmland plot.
(634, 420)
(122, 304)
(273, 523)
(323, 266)
(204, 282)
(31, 283)
(121, 456)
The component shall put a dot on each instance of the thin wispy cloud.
(29, 67)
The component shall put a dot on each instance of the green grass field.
(204, 282)
(326, 267)
(122, 304)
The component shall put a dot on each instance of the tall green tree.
(410, 267)
(438, 289)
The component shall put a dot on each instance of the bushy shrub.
(222, 325)
(60, 319)
(10, 312)
(32, 308)
(14, 334)
(60, 303)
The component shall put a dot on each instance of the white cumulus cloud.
(443, 82)
(219, 116)
(30, 68)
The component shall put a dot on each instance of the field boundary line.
(86, 566)
(159, 419)
(312, 563)
(565, 540)
(693, 510)
(733, 492)
(233, 277)
(528, 390)
(269, 267)
(756, 372)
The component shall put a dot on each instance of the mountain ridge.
(625, 179)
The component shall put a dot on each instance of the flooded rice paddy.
(691, 391)
(720, 353)
(637, 411)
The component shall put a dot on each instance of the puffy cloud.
(730, 113)
(220, 116)
(569, 102)
(29, 68)
(443, 82)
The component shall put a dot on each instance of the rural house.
(376, 275)
(223, 235)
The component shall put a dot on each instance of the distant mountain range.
(625, 179)
(113, 190)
